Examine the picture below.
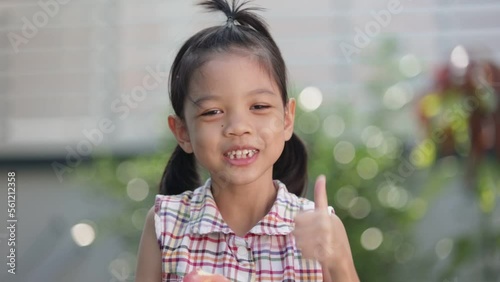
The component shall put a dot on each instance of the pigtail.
(291, 167)
(180, 173)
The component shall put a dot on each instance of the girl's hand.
(321, 236)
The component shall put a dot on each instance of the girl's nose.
(237, 124)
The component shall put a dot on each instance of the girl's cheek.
(211, 132)
(273, 125)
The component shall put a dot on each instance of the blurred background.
(399, 106)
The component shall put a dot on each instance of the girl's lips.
(242, 161)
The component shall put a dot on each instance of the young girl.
(233, 117)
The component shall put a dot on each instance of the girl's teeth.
(241, 154)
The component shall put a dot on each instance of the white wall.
(66, 77)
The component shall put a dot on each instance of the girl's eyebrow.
(203, 99)
(261, 91)
(210, 97)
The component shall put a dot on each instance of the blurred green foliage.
(377, 191)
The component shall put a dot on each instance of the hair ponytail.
(180, 174)
(291, 167)
(237, 14)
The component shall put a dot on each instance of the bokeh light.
(359, 208)
(389, 146)
(344, 152)
(371, 238)
(310, 98)
(370, 132)
(459, 57)
(367, 168)
(444, 247)
(345, 195)
(333, 126)
(397, 96)
(83, 233)
(410, 66)
(392, 196)
(137, 189)
(378, 151)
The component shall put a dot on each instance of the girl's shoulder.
(173, 212)
(177, 202)
(163, 202)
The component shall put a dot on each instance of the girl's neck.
(244, 206)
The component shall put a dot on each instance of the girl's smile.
(241, 156)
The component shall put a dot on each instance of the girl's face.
(235, 121)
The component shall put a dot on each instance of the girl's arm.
(321, 235)
(149, 256)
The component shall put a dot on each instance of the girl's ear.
(180, 131)
(289, 118)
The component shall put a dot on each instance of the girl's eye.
(211, 112)
(260, 107)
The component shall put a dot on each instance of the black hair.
(244, 30)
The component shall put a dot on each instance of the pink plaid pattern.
(192, 234)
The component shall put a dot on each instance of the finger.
(320, 197)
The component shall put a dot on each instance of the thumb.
(320, 196)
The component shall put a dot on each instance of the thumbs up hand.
(321, 235)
